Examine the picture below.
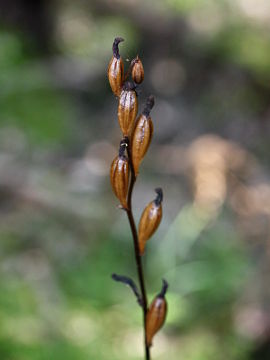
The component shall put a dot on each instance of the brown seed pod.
(120, 175)
(116, 68)
(127, 108)
(150, 220)
(137, 71)
(142, 135)
(156, 314)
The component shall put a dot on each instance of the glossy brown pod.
(137, 71)
(127, 108)
(150, 220)
(142, 135)
(156, 314)
(120, 176)
(116, 69)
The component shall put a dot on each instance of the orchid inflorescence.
(137, 135)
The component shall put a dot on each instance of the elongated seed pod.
(142, 135)
(156, 314)
(120, 175)
(150, 220)
(116, 68)
(137, 71)
(127, 108)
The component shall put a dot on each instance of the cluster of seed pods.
(137, 135)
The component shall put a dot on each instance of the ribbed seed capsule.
(120, 175)
(142, 135)
(150, 220)
(137, 71)
(127, 108)
(156, 314)
(116, 68)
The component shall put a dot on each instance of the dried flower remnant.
(129, 282)
(116, 68)
(150, 220)
(156, 314)
(120, 175)
(142, 135)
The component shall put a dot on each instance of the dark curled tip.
(115, 48)
(128, 281)
(123, 145)
(129, 85)
(134, 61)
(164, 289)
(159, 198)
(150, 102)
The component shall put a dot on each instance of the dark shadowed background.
(61, 235)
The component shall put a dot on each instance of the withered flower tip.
(150, 102)
(129, 85)
(115, 47)
(164, 289)
(158, 200)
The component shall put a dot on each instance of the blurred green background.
(61, 235)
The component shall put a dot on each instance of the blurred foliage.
(29, 100)
(60, 234)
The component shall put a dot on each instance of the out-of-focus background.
(61, 235)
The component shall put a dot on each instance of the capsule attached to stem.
(120, 175)
(127, 108)
(137, 72)
(156, 314)
(142, 135)
(150, 220)
(116, 68)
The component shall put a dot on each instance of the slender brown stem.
(137, 251)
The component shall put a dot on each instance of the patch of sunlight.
(25, 329)
(131, 343)
(161, 344)
(80, 328)
(202, 23)
(181, 235)
(201, 345)
(258, 10)
(187, 6)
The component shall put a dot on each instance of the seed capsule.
(116, 68)
(120, 175)
(156, 314)
(150, 220)
(127, 108)
(137, 71)
(142, 135)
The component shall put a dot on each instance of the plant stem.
(137, 251)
